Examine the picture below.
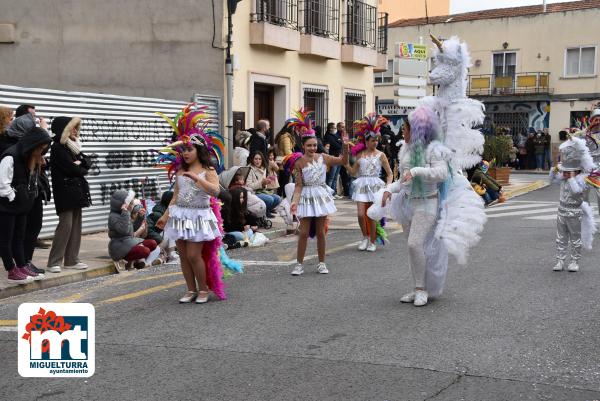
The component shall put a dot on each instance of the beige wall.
(404, 9)
(291, 70)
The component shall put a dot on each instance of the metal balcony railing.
(525, 83)
(277, 12)
(382, 33)
(320, 18)
(360, 24)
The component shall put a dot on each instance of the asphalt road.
(506, 327)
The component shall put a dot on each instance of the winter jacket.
(120, 229)
(479, 177)
(255, 178)
(285, 144)
(258, 142)
(71, 189)
(158, 210)
(18, 187)
(334, 140)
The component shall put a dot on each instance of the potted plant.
(496, 150)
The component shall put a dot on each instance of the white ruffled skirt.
(192, 224)
(316, 201)
(364, 189)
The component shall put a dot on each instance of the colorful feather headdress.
(365, 128)
(190, 126)
(301, 122)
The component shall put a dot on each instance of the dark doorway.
(264, 96)
(239, 122)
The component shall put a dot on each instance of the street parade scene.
(300, 200)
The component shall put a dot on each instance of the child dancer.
(367, 170)
(574, 222)
(312, 201)
(193, 217)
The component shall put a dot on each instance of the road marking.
(522, 212)
(265, 262)
(513, 207)
(141, 293)
(154, 277)
(70, 298)
(8, 322)
(8, 328)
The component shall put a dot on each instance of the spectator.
(18, 190)
(285, 141)
(156, 233)
(240, 152)
(17, 129)
(237, 221)
(123, 244)
(330, 128)
(5, 118)
(319, 136)
(259, 139)
(262, 185)
(522, 151)
(68, 167)
(539, 143)
(333, 139)
(236, 177)
(530, 145)
(547, 164)
(25, 109)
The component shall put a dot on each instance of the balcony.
(382, 43)
(320, 29)
(274, 23)
(525, 83)
(360, 34)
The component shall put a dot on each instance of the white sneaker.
(78, 266)
(298, 270)
(188, 297)
(420, 298)
(173, 258)
(408, 298)
(362, 245)
(322, 268)
(53, 269)
(573, 266)
(372, 247)
(559, 266)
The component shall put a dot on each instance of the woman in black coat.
(68, 168)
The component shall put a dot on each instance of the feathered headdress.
(301, 122)
(190, 126)
(290, 160)
(365, 128)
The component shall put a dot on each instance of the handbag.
(478, 188)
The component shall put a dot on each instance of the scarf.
(74, 146)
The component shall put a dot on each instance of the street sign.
(412, 51)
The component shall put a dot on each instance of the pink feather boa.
(210, 254)
(359, 146)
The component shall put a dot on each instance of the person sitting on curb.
(167, 246)
(123, 245)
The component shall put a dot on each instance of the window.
(354, 105)
(316, 100)
(277, 12)
(505, 64)
(580, 61)
(386, 77)
(321, 18)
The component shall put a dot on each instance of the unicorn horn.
(437, 42)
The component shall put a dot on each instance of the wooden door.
(264, 96)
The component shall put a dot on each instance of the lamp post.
(231, 7)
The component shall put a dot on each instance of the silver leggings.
(423, 220)
(568, 231)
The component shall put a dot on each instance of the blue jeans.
(332, 178)
(239, 236)
(539, 160)
(271, 201)
(547, 159)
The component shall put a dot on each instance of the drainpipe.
(544, 5)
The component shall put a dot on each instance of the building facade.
(160, 48)
(319, 54)
(530, 68)
(406, 9)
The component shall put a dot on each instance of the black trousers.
(12, 236)
(34, 226)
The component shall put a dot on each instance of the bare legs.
(192, 265)
(303, 237)
(362, 208)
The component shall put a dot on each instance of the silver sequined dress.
(367, 182)
(316, 198)
(191, 217)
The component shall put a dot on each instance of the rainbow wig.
(424, 126)
(367, 127)
(301, 122)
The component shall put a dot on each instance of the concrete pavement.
(506, 327)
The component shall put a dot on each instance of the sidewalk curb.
(107, 270)
(539, 184)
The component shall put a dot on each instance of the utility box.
(7, 33)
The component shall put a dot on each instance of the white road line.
(544, 202)
(8, 328)
(513, 207)
(522, 212)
